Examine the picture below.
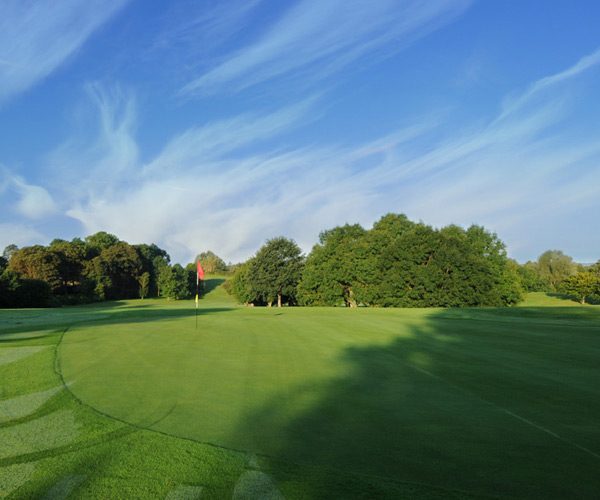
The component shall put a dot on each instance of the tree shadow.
(211, 283)
(466, 401)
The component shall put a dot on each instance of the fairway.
(494, 402)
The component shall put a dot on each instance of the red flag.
(200, 272)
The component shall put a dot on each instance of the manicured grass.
(335, 403)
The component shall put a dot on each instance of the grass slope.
(336, 403)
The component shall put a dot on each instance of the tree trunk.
(351, 299)
(270, 304)
(278, 300)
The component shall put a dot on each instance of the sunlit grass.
(367, 403)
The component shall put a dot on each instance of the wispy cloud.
(201, 27)
(103, 155)
(315, 38)
(208, 189)
(37, 37)
(33, 202)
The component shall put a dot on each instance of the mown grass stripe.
(14, 476)
(23, 406)
(12, 354)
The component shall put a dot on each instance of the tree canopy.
(399, 263)
(271, 275)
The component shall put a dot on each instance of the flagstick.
(197, 282)
(199, 276)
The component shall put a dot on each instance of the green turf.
(337, 403)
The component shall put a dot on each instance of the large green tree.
(583, 285)
(334, 268)
(399, 263)
(116, 272)
(554, 266)
(71, 262)
(275, 271)
(37, 263)
(174, 282)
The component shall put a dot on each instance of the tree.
(37, 263)
(554, 266)
(153, 260)
(18, 292)
(211, 263)
(9, 250)
(275, 271)
(95, 243)
(116, 272)
(173, 282)
(144, 284)
(191, 272)
(399, 263)
(581, 285)
(333, 271)
(530, 278)
(71, 261)
(240, 287)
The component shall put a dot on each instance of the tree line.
(99, 267)
(396, 263)
(400, 263)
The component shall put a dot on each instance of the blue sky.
(216, 125)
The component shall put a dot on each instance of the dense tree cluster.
(397, 263)
(101, 267)
(400, 263)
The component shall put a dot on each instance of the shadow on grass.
(54, 319)
(461, 403)
(212, 283)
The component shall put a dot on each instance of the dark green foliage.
(102, 268)
(191, 271)
(275, 271)
(101, 240)
(174, 282)
(240, 287)
(116, 271)
(335, 267)
(272, 275)
(153, 259)
(400, 263)
(22, 292)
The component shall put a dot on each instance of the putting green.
(499, 402)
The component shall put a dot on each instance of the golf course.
(154, 399)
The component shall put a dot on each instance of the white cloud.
(104, 160)
(34, 202)
(37, 37)
(317, 38)
(18, 234)
(204, 191)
